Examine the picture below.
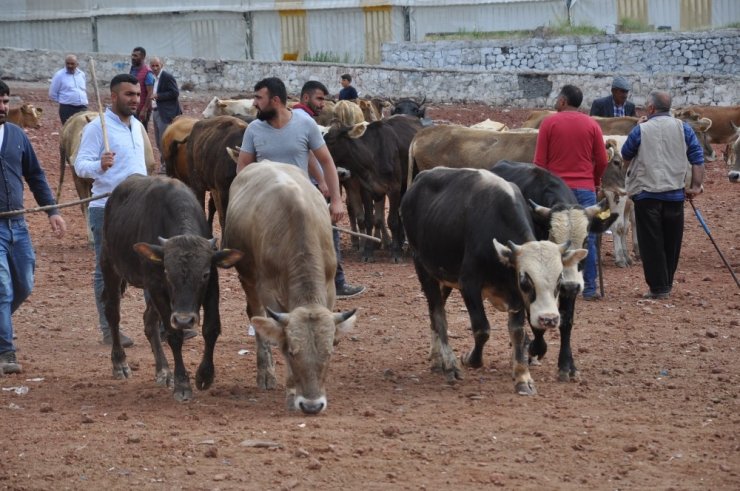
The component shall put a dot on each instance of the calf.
(281, 223)
(456, 221)
(155, 237)
(26, 116)
(557, 217)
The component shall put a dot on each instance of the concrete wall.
(696, 53)
(500, 88)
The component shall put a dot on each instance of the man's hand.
(694, 191)
(106, 161)
(57, 225)
(337, 211)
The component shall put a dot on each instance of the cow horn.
(340, 317)
(543, 211)
(212, 242)
(280, 317)
(564, 246)
(162, 241)
(514, 248)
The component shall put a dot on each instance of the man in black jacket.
(165, 101)
(616, 104)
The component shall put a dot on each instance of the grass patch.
(330, 57)
(627, 24)
(559, 29)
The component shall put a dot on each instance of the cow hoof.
(164, 378)
(621, 264)
(452, 376)
(368, 259)
(468, 361)
(183, 394)
(534, 362)
(563, 376)
(266, 380)
(525, 388)
(204, 378)
(121, 371)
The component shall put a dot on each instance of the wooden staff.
(101, 111)
(13, 213)
(358, 234)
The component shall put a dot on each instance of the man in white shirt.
(69, 89)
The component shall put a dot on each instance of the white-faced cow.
(457, 221)
(281, 223)
(559, 218)
(155, 237)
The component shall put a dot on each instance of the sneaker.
(656, 296)
(349, 291)
(8, 363)
(593, 297)
(126, 341)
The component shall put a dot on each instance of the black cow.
(156, 237)
(409, 107)
(377, 153)
(557, 217)
(456, 221)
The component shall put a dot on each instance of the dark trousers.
(66, 111)
(659, 233)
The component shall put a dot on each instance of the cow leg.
(441, 354)
(266, 378)
(206, 372)
(394, 223)
(537, 347)
(481, 328)
(377, 219)
(182, 390)
(566, 366)
(112, 298)
(163, 374)
(523, 383)
(354, 209)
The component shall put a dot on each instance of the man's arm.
(245, 158)
(170, 92)
(600, 157)
(88, 163)
(54, 88)
(314, 171)
(540, 152)
(332, 181)
(695, 155)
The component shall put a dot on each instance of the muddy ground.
(656, 405)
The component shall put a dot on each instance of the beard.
(266, 114)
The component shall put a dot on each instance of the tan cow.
(281, 223)
(230, 107)
(458, 146)
(723, 127)
(69, 144)
(609, 126)
(174, 147)
(26, 116)
(490, 125)
(369, 110)
(348, 113)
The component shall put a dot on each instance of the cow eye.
(525, 283)
(206, 275)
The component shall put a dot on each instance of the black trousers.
(659, 233)
(66, 111)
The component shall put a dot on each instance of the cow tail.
(410, 175)
(62, 166)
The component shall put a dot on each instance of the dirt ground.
(656, 405)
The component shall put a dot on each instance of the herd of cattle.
(476, 218)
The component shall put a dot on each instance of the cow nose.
(184, 320)
(734, 176)
(311, 406)
(549, 321)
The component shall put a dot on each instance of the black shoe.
(349, 291)
(8, 363)
(594, 297)
(126, 341)
(656, 296)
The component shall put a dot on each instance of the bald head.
(156, 65)
(660, 100)
(70, 61)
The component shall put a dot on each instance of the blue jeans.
(17, 264)
(586, 197)
(96, 215)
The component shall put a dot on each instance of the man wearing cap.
(615, 105)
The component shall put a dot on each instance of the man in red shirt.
(570, 145)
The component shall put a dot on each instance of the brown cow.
(174, 147)
(281, 223)
(609, 126)
(26, 116)
(369, 110)
(69, 143)
(733, 161)
(210, 168)
(722, 129)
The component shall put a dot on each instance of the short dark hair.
(4, 89)
(123, 78)
(347, 77)
(572, 94)
(312, 86)
(140, 50)
(274, 86)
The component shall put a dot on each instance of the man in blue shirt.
(17, 259)
(347, 93)
(69, 89)
(660, 153)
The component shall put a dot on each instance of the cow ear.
(505, 254)
(150, 252)
(269, 329)
(573, 257)
(226, 258)
(357, 130)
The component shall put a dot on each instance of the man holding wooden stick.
(111, 149)
(17, 259)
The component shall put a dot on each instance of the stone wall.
(501, 88)
(692, 53)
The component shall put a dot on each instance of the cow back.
(174, 147)
(281, 223)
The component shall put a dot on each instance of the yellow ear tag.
(604, 214)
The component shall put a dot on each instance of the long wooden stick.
(358, 234)
(13, 213)
(101, 111)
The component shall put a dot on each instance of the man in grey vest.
(660, 152)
